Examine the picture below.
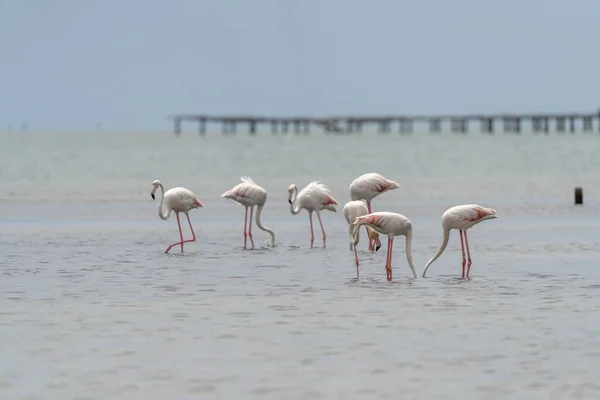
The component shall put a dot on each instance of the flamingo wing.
(321, 193)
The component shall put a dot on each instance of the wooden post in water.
(578, 196)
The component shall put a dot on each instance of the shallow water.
(93, 309)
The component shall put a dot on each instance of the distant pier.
(539, 123)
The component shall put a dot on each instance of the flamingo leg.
(245, 225)
(462, 246)
(389, 258)
(322, 230)
(371, 246)
(250, 228)
(312, 234)
(356, 256)
(468, 255)
(181, 234)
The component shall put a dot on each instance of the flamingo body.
(314, 197)
(368, 186)
(249, 194)
(177, 199)
(352, 210)
(462, 218)
(392, 225)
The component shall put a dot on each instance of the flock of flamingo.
(316, 197)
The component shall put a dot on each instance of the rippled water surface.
(92, 308)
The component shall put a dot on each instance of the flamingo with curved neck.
(391, 224)
(249, 194)
(314, 197)
(177, 199)
(461, 217)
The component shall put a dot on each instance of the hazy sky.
(66, 64)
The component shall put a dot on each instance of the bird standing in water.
(391, 224)
(249, 194)
(314, 197)
(367, 187)
(462, 218)
(177, 199)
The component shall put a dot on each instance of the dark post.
(578, 195)
(202, 126)
(487, 125)
(536, 124)
(560, 124)
(274, 126)
(435, 125)
(177, 126)
(587, 124)
(572, 124)
(252, 124)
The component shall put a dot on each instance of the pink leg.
(250, 228)
(389, 258)
(245, 222)
(468, 255)
(462, 246)
(312, 234)
(356, 256)
(322, 230)
(371, 246)
(193, 239)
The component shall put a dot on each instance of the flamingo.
(462, 218)
(352, 210)
(391, 224)
(249, 194)
(177, 199)
(314, 197)
(368, 186)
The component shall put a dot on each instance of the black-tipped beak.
(377, 248)
(152, 196)
(289, 201)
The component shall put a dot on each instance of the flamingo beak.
(152, 192)
(289, 201)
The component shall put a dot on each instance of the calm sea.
(92, 308)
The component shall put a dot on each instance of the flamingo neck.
(166, 214)
(295, 209)
(409, 252)
(446, 236)
(260, 225)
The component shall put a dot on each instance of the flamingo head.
(373, 235)
(155, 185)
(291, 189)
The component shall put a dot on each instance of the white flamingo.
(314, 197)
(249, 194)
(177, 199)
(462, 218)
(391, 224)
(368, 186)
(352, 210)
